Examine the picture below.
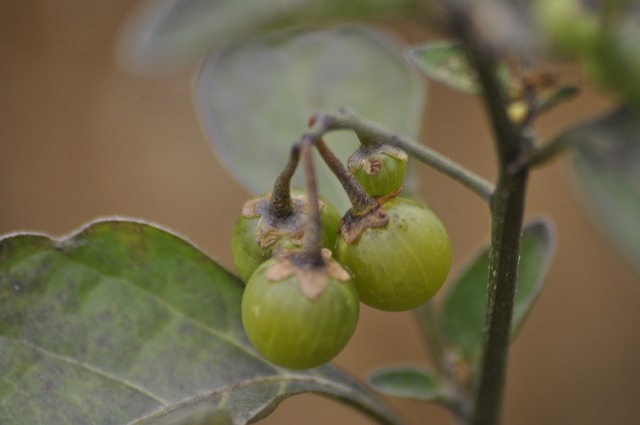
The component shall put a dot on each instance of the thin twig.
(312, 243)
(281, 204)
(349, 120)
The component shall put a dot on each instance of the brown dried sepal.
(352, 226)
(369, 157)
(312, 279)
(372, 166)
(271, 229)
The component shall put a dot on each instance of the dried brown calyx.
(312, 279)
(352, 226)
(369, 157)
(272, 228)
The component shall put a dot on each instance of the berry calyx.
(380, 169)
(258, 232)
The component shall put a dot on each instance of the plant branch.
(485, 64)
(346, 119)
(507, 217)
(507, 214)
(543, 154)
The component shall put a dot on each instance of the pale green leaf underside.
(125, 323)
(406, 382)
(256, 95)
(464, 305)
(167, 35)
(607, 165)
(446, 62)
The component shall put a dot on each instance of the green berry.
(380, 169)
(252, 243)
(299, 317)
(401, 265)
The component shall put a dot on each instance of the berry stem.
(281, 205)
(361, 202)
(312, 242)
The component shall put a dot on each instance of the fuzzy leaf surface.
(256, 95)
(167, 36)
(464, 305)
(446, 62)
(123, 323)
(406, 382)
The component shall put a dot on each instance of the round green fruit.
(402, 265)
(246, 251)
(380, 169)
(291, 328)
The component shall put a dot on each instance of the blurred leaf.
(331, 11)
(607, 164)
(255, 97)
(406, 382)
(447, 63)
(125, 323)
(165, 36)
(464, 304)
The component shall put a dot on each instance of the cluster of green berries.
(299, 313)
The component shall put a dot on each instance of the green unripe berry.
(380, 169)
(299, 317)
(402, 265)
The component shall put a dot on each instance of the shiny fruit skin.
(402, 265)
(385, 176)
(247, 254)
(292, 331)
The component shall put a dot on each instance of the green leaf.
(465, 302)
(447, 63)
(256, 95)
(607, 165)
(406, 382)
(168, 35)
(331, 11)
(125, 323)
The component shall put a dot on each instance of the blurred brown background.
(80, 138)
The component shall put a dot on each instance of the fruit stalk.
(281, 204)
(361, 201)
(346, 119)
(312, 242)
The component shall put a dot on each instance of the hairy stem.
(281, 205)
(507, 217)
(312, 243)
(360, 200)
(507, 212)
